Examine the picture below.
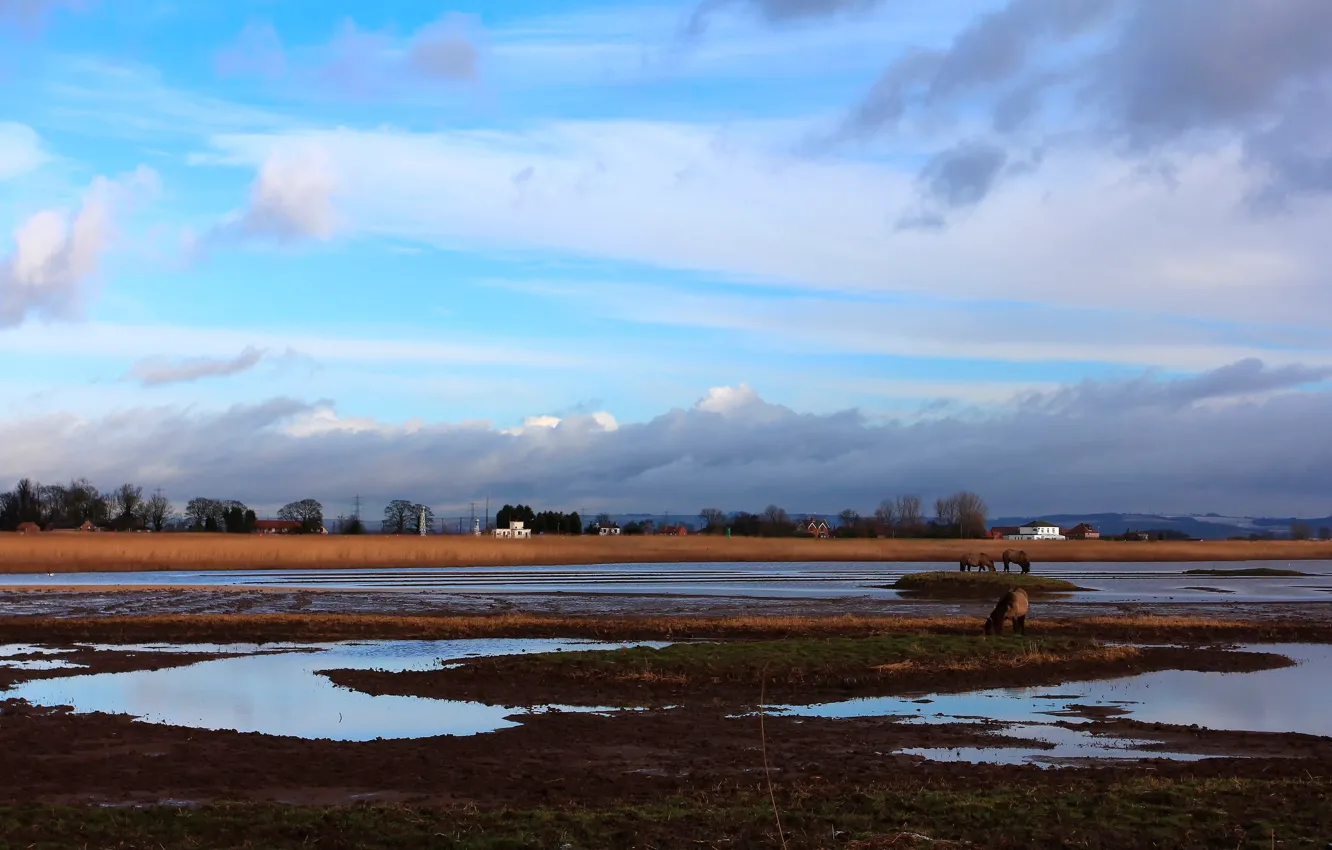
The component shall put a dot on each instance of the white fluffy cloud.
(1243, 439)
(20, 150)
(291, 200)
(56, 255)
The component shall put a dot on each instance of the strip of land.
(64, 553)
(268, 628)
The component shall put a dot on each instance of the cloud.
(30, 13)
(291, 200)
(1264, 455)
(159, 371)
(776, 11)
(444, 50)
(258, 51)
(55, 255)
(20, 150)
(957, 178)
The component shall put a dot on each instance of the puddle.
(281, 693)
(1289, 699)
(1069, 746)
(12, 650)
(38, 664)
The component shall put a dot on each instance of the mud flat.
(146, 752)
(65, 553)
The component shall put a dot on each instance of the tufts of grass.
(1097, 813)
(1251, 571)
(969, 584)
(808, 661)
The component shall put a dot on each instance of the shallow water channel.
(276, 690)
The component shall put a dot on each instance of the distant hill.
(1201, 526)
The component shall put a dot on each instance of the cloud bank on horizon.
(1071, 254)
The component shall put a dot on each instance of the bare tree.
(713, 518)
(849, 520)
(1300, 530)
(971, 514)
(159, 510)
(398, 516)
(1324, 533)
(775, 516)
(886, 516)
(947, 511)
(909, 516)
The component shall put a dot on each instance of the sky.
(1073, 255)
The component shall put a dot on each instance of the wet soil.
(568, 759)
(121, 602)
(516, 681)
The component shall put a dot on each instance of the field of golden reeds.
(74, 552)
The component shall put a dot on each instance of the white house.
(515, 531)
(1037, 529)
(605, 530)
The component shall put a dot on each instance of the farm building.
(674, 530)
(1082, 531)
(816, 528)
(1037, 529)
(29, 528)
(608, 530)
(277, 526)
(515, 531)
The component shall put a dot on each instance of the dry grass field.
(58, 552)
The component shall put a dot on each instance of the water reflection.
(1288, 699)
(280, 693)
(1068, 745)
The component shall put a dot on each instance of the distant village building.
(1037, 529)
(999, 532)
(86, 527)
(515, 531)
(608, 530)
(277, 526)
(816, 528)
(674, 530)
(29, 528)
(1082, 531)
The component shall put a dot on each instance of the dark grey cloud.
(963, 176)
(1143, 444)
(1152, 74)
(776, 11)
(955, 179)
(161, 371)
(1243, 378)
(987, 55)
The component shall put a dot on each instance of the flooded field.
(1107, 582)
(280, 693)
(278, 690)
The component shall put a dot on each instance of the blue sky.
(569, 223)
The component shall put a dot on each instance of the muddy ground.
(510, 681)
(155, 601)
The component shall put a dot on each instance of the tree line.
(963, 514)
(126, 508)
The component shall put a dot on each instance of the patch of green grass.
(1250, 571)
(1078, 812)
(969, 584)
(807, 660)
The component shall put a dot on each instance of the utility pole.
(356, 506)
(487, 512)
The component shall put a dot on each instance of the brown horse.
(1019, 557)
(976, 562)
(1012, 606)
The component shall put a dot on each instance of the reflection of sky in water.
(1290, 699)
(9, 650)
(38, 664)
(1068, 744)
(279, 694)
(1113, 582)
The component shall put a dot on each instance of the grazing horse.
(1019, 557)
(1011, 606)
(975, 562)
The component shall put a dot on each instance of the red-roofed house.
(999, 532)
(1082, 531)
